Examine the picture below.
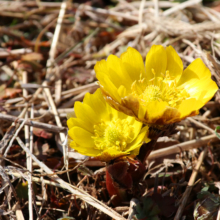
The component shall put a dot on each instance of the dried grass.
(53, 67)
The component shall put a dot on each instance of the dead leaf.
(39, 132)
(8, 92)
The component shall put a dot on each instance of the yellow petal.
(98, 104)
(133, 64)
(109, 88)
(117, 73)
(110, 154)
(72, 122)
(91, 152)
(122, 91)
(203, 89)
(155, 110)
(81, 137)
(137, 143)
(194, 72)
(156, 59)
(102, 74)
(101, 67)
(81, 108)
(212, 89)
(142, 112)
(188, 106)
(116, 105)
(137, 128)
(174, 63)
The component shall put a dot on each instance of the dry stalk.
(50, 63)
(140, 16)
(6, 53)
(201, 125)
(76, 191)
(35, 124)
(108, 12)
(218, 216)
(190, 185)
(181, 6)
(28, 159)
(14, 136)
(178, 148)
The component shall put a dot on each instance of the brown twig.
(177, 148)
(190, 185)
(35, 124)
(76, 191)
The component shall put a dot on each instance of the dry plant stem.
(58, 89)
(190, 185)
(181, 6)
(6, 53)
(22, 114)
(40, 112)
(65, 94)
(78, 192)
(14, 136)
(80, 89)
(161, 4)
(19, 214)
(52, 52)
(218, 216)
(31, 150)
(201, 125)
(37, 42)
(50, 62)
(35, 124)
(44, 193)
(9, 72)
(4, 142)
(178, 148)
(35, 179)
(156, 8)
(5, 179)
(33, 86)
(9, 134)
(140, 16)
(58, 83)
(109, 12)
(71, 102)
(131, 211)
(28, 158)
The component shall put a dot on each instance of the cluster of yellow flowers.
(115, 120)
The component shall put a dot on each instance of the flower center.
(116, 133)
(161, 88)
(152, 93)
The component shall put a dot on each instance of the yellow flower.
(100, 131)
(159, 92)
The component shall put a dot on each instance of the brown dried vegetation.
(48, 51)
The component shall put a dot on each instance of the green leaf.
(147, 209)
(217, 134)
(206, 188)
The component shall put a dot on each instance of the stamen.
(116, 133)
(161, 88)
(153, 71)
